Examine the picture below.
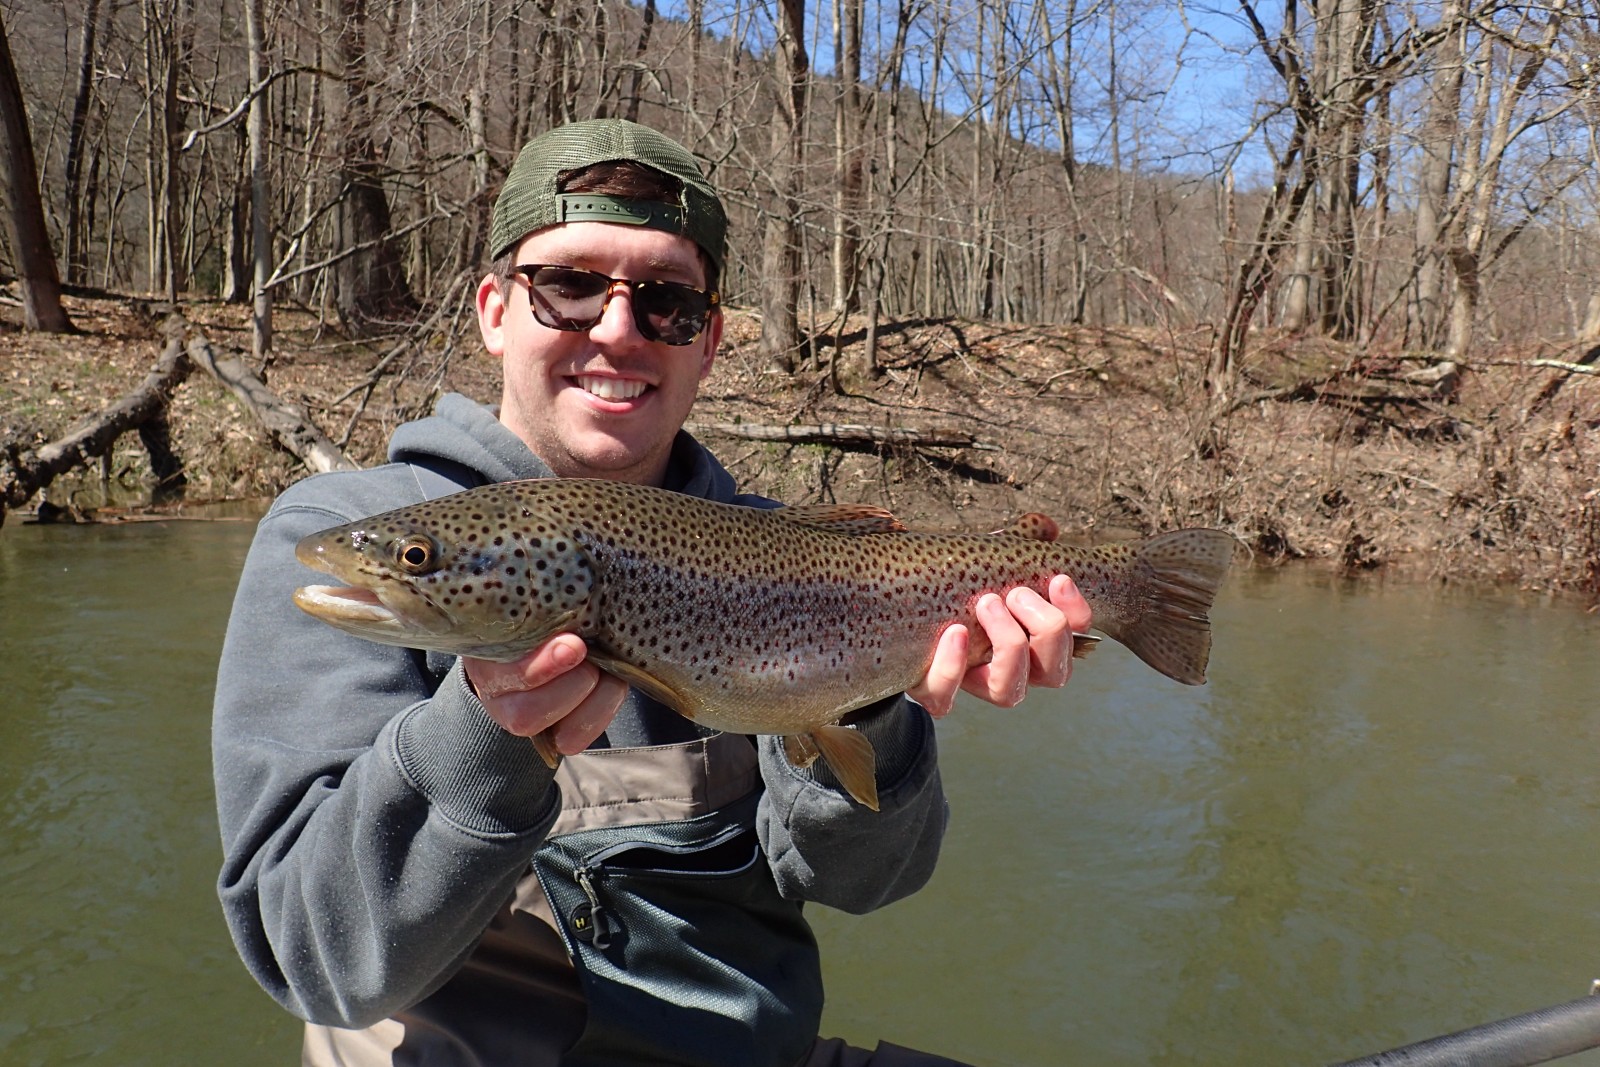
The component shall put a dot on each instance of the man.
(403, 871)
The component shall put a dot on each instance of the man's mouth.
(610, 388)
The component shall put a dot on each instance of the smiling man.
(401, 869)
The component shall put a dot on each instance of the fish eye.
(416, 553)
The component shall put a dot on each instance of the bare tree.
(24, 211)
(780, 248)
(77, 130)
(260, 188)
(848, 161)
(1437, 142)
(371, 284)
(1498, 119)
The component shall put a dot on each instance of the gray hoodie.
(374, 818)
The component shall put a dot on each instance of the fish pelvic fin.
(849, 756)
(800, 750)
(1179, 574)
(546, 747)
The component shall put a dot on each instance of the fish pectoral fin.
(645, 682)
(851, 520)
(1083, 644)
(800, 749)
(546, 747)
(849, 756)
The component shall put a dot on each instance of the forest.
(1374, 207)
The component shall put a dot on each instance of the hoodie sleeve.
(373, 817)
(824, 847)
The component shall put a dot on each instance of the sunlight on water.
(1375, 825)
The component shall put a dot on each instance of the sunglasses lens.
(669, 311)
(565, 298)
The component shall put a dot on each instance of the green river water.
(1378, 823)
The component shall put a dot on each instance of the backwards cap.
(530, 201)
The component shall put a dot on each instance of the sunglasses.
(566, 298)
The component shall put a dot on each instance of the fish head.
(459, 578)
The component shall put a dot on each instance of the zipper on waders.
(588, 919)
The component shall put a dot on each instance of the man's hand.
(1031, 641)
(554, 689)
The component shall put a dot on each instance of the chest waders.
(648, 931)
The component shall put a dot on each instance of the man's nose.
(616, 316)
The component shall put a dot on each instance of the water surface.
(1375, 825)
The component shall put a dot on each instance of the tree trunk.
(24, 209)
(22, 474)
(77, 128)
(260, 191)
(1439, 132)
(1491, 133)
(780, 249)
(370, 283)
(848, 165)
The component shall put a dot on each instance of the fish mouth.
(377, 609)
(345, 604)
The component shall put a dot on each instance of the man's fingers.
(1049, 637)
(528, 712)
(1064, 595)
(577, 730)
(937, 691)
(1004, 680)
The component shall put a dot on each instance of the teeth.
(610, 388)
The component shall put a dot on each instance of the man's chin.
(617, 459)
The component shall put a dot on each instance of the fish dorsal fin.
(1034, 526)
(851, 520)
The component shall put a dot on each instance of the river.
(1376, 824)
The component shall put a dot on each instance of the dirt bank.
(1364, 460)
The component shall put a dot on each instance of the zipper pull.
(588, 919)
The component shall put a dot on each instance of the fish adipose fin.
(1033, 526)
(851, 520)
(849, 756)
(1179, 573)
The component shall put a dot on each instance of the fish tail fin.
(1178, 575)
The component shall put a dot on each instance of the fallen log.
(848, 436)
(25, 471)
(291, 427)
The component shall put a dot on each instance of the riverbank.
(1370, 461)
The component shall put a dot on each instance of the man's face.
(604, 402)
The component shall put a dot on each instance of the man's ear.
(492, 314)
(712, 338)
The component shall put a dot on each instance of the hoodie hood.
(463, 432)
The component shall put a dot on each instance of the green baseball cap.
(530, 201)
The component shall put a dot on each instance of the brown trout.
(742, 619)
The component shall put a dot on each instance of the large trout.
(743, 619)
